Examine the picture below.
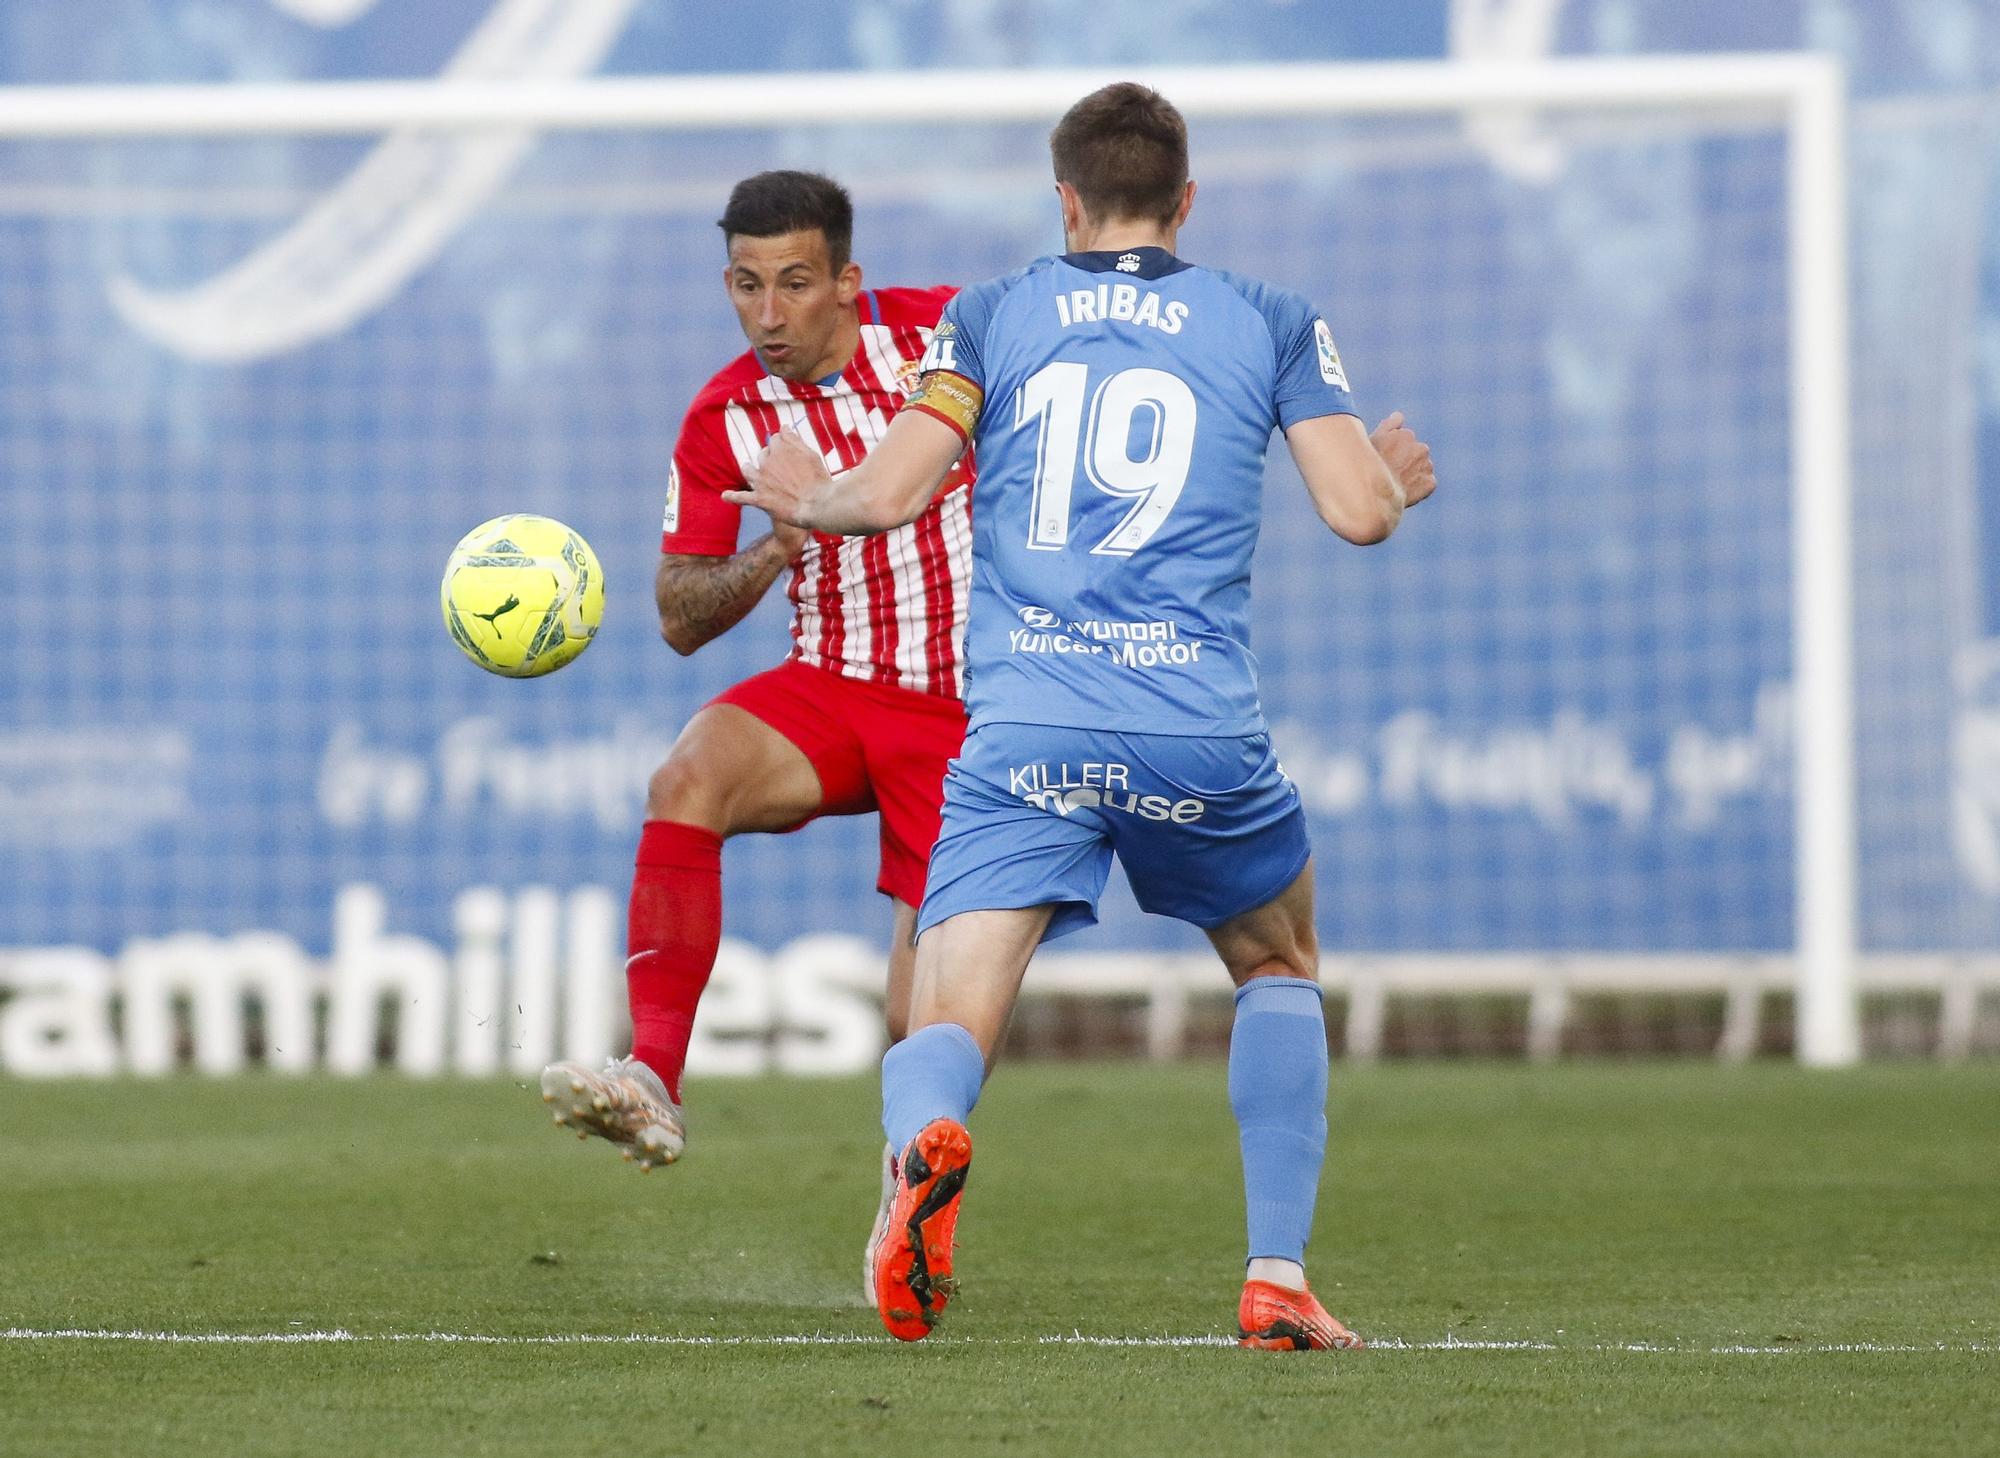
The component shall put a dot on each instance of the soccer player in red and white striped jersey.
(884, 609)
(864, 714)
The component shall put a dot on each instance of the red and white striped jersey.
(891, 608)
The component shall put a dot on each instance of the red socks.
(672, 932)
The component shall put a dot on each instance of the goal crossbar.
(1804, 93)
(1777, 82)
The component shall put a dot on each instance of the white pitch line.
(1461, 1344)
(338, 1334)
(841, 1339)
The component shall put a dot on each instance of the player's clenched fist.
(1407, 456)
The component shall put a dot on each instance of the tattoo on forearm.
(704, 597)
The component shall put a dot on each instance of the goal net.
(264, 365)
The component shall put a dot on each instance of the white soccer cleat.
(881, 1220)
(626, 1104)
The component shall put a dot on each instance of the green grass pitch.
(1698, 1260)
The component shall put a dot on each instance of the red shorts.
(873, 748)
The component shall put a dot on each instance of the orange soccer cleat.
(1274, 1318)
(912, 1252)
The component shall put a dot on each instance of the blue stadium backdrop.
(1552, 714)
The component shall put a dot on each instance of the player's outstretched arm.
(700, 598)
(1361, 483)
(891, 486)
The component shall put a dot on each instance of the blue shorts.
(1206, 829)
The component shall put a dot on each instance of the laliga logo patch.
(942, 354)
(1128, 263)
(1329, 357)
(1039, 617)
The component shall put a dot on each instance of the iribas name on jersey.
(1121, 405)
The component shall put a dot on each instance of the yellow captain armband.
(948, 397)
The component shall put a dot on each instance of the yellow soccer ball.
(523, 595)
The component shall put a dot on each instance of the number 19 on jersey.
(1094, 429)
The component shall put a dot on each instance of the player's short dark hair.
(772, 204)
(1125, 150)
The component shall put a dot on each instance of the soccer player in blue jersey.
(1121, 401)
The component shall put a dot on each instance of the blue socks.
(1277, 1088)
(935, 1073)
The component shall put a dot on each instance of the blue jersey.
(1120, 405)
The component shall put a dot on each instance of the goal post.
(1801, 95)
(1827, 835)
